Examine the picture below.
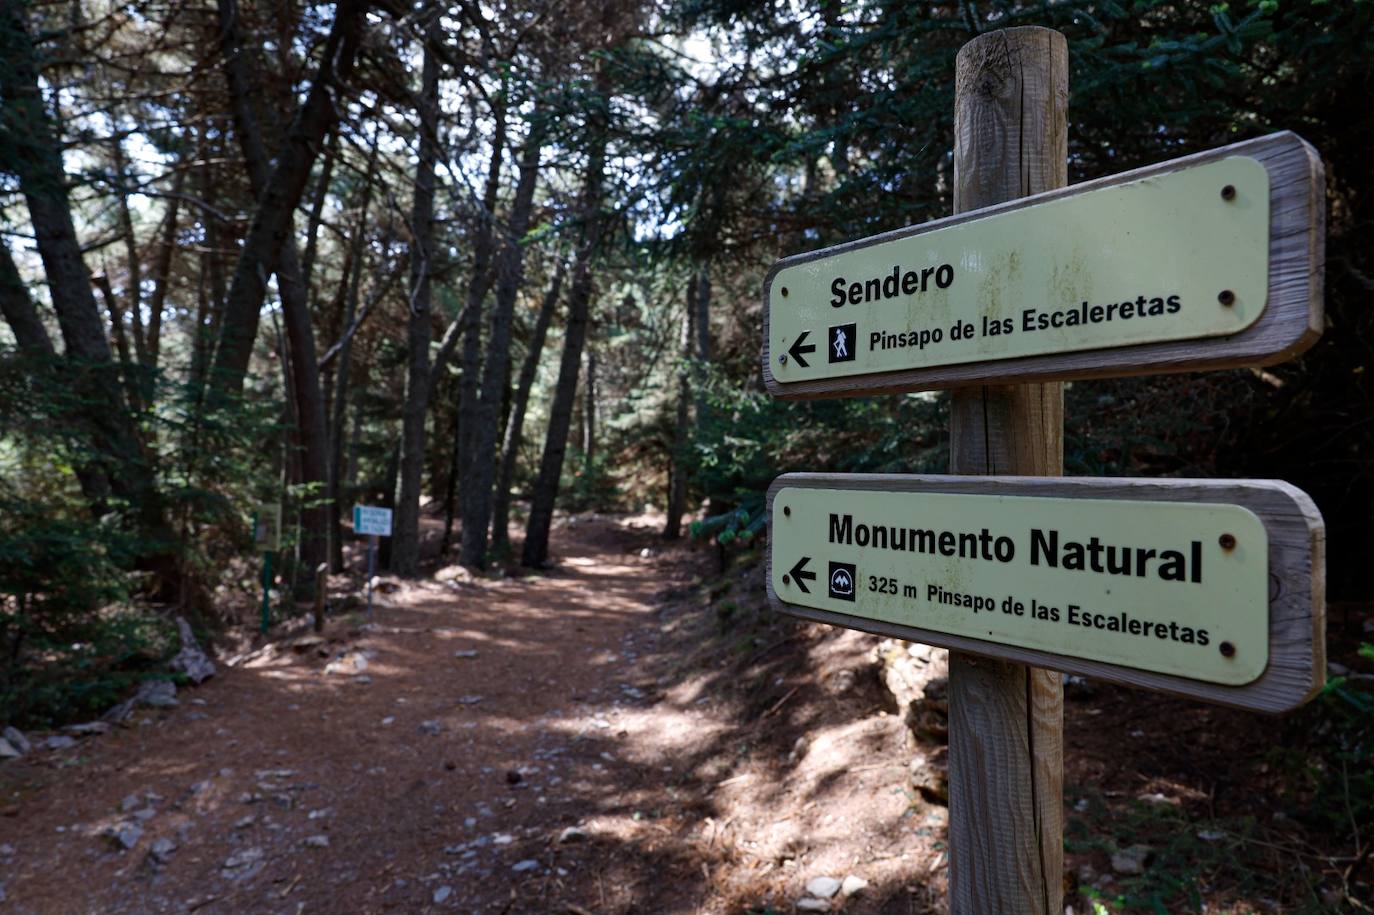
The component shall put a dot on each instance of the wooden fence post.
(1006, 720)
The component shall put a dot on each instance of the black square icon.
(843, 580)
(842, 342)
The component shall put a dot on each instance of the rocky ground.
(557, 743)
(630, 732)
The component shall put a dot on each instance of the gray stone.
(8, 750)
(454, 574)
(316, 842)
(191, 660)
(466, 653)
(245, 822)
(16, 739)
(918, 678)
(929, 775)
(813, 905)
(130, 802)
(126, 835)
(348, 664)
(89, 729)
(824, 887)
(1079, 688)
(146, 814)
(161, 850)
(243, 858)
(432, 728)
(572, 834)
(853, 884)
(59, 742)
(157, 694)
(441, 894)
(1131, 861)
(528, 864)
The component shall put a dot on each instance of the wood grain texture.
(1290, 323)
(1006, 728)
(1297, 579)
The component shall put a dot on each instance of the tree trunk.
(510, 448)
(589, 415)
(270, 232)
(477, 498)
(121, 337)
(471, 318)
(536, 549)
(677, 471)
(405, 532)
(300, 334)
(20, 313)
(312, 229)
(352, 281)
(451, 487)
(393, 469)
(162, 274)
(133, 280)
(35, 155)
(210, 302)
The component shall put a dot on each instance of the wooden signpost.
(1212, 590)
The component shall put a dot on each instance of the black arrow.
(796, 350)
(798, 571)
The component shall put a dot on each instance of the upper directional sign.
(1203, 262)
(1205, 588)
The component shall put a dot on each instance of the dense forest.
(495, 261)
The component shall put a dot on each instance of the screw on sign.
(1210, 261)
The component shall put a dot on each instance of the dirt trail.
(576, 763)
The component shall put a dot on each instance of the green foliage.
(69, 642)
(73, 635)
(589, 486)
(744, 439)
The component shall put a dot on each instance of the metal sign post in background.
(374, 522)
(267, 540)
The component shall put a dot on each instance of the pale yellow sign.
(1177, 256)
(267, 528)
(1171, 587)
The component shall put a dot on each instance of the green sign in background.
(1157, 621)
(1173, 235)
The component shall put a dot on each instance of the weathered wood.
(1290, 323)
(1297, 606)
(1006, 727)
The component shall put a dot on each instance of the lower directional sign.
(1212, 589)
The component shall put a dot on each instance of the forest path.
(570, 765)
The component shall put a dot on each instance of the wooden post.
(1006, 720)
(321, 585)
